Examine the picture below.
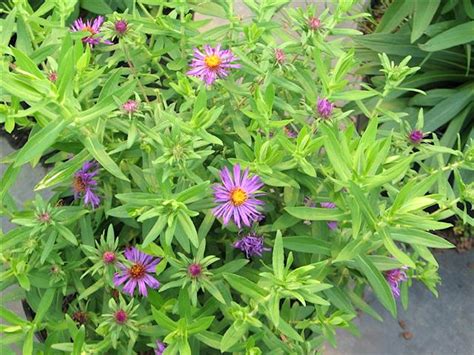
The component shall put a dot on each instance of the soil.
(462, 236)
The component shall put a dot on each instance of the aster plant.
(203, 193)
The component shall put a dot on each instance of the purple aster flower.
(251, 245)
(416, 136)
(53, 76)
(394, 277)
(212, 64)
(91, 26)
(121, 26)
(290, 133)
(121, 317)
(331, 224)
(130, 106)
(160, 348)
(325, 108)
(237, 197)
(194, 270)
(109, 257)
(138, 273)
(314, 23)
(85, 184)
(279, 56)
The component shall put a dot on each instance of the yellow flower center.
(238, 196)
(79, 184)
(212, 61)
(137, 271)
(90, 30)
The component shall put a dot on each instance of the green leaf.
(108, 103)
(311, 245)
(394, 15)
(63, 171)
(97, 150)
(25, 63)
(200, 324)
(28, 344)
(41, 141)
(96, 286)
(8, 26)
(232, 335)
(448, 108)
(274, 308)
(187, 225)
(66, 233)
(363, 203)
(66, 72)
(245, 286)
(317, 214)
(99, 7)
(338, 152)
(213, 290)
(9, 178)
(364, 307)
(11, 317)
(339, 298)
(44, 305)
(278, 259)
(156, 230)
(393, 249)
(423, 14)
(455, 36)
(194, 193)
(418, 237)
(353, 95)
(288, 330)
(79, 341)
(378, 283)
(163, 320)
(231, 266)
(351, 250)
(48, 246)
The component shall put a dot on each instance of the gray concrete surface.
(439, 326)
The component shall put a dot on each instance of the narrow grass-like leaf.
(317, 214)
(311, 245)
(378, 283)
(97, 150)
(278, 261)
(393, 249)
(455, 36)
(245, 286)
(41, 141)
(419, 237)
(424, 10)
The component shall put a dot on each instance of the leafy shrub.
(127, 254)
(438, 37)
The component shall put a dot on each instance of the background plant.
(438, 37)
